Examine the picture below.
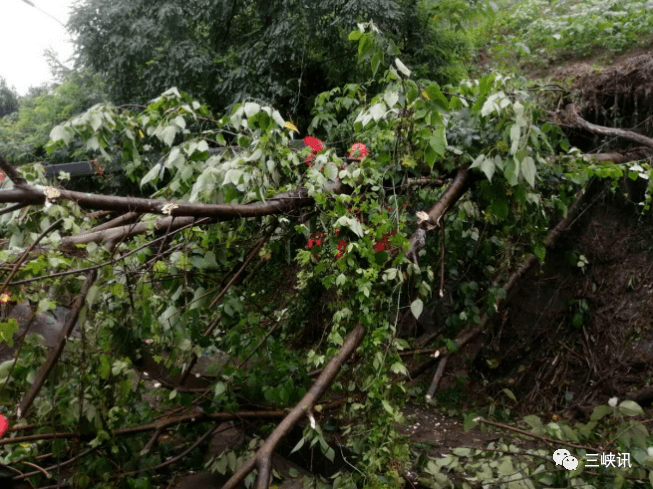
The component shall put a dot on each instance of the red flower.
(384, 242)
(316, 146)
(338, 256)
(315, 241)
(342, 245)
(4, 425)
(2, 176)
(358, 150)
(314, 143)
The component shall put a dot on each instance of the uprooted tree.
(298, 274)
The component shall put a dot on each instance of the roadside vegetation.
(333, 286)
(542, 33)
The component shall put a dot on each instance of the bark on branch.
(454, 192)
(572, 117)
(633, 154)
(262, 460)
(277, 204)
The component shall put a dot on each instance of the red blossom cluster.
(358, 150)
(2, 176)
(384, 243)
(316, 146)
(317, 241)
(342, 247)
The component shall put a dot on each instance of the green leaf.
(438, 140)
(477, 161)
(416, 307)
(402, 67)
(355, 35)
(375, 62)
(150, 175)
(299, 445)
(91, 297)
(435, 95)
(7, 330)
(510, 394)
(533, 420)
(59, 133)
(630, 408)
(399, 368)
(104, 369)
(387, 406)
(528, 170)
(515, 132)
(168, 134)
(251, 109)
(470, 422)
(330, 454)
(93, 144)
(487, 167)
(462, 452)
(601, 412)
(500, 208)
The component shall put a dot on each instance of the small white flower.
(613, 401)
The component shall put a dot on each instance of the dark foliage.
(282, 52)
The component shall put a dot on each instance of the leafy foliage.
(24, 134)
(559, 30)
(282, 53)
(338, 264)
(8, 99)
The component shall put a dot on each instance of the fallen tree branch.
(277, 204)
(171, 460)
(571, 114)
(262, 460)
(454, 192)
(437, 378)
(253, 253)
(128, 218)
(633, 154)
(65, 332)
(470, 333)
(159, 424)
(113, 261)
(545, 439)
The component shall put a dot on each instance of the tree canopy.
(281, 53)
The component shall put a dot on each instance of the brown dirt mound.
(620, 95)
(572, 336)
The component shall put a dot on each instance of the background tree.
(8, 99)
(24, 134)
(280, 52)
